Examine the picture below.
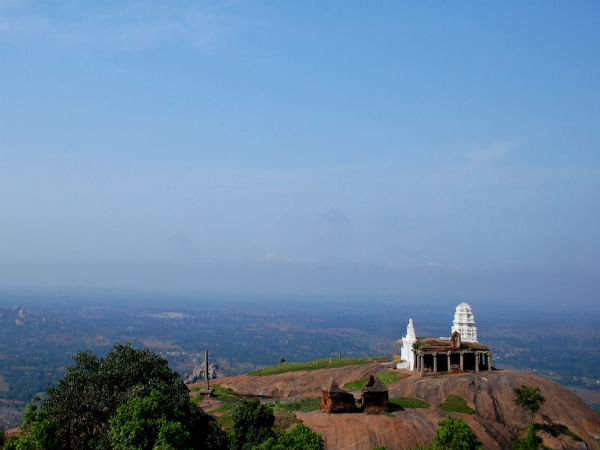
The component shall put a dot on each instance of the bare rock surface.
(492, 396)
(496, 422)
(300, 384)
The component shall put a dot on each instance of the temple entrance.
(427, 363)
(469, 362)
(442, 362)
(455, 362)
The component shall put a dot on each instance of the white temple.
(407, 351)
(464, 323)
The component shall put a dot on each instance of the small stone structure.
(374, 396)
(335, 400)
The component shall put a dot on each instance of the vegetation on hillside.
(408, 402)
(325, 363)
(530, 399)
(253, 429)
(455, 403)
(129, 399)
(385, 377)
(455, 434)
(304, 405)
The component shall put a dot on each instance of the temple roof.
(432, 344)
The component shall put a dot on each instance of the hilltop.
(496, 419)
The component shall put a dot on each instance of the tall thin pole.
(206, 370)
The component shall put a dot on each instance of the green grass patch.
(455, 403)
(388, 377)
(218, 390)
(355, 385)
(219, 393)
(304, 405)
(223, 408)
(226, 421)
(556, 429)
(325, 363)
(408, 402)
(385, 377)
(196, 399)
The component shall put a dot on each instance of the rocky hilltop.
(496, 421)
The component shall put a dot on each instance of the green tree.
(143, 423)
(530, 399)
(455, 434)
(84, 402)
(300, 438)
(252, 425)
(37, 431)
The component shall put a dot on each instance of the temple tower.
(407, 352)
(464, 323)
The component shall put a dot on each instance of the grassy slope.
(325, 363)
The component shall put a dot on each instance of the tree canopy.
(129, 399)
(252, 425)
(455, 434)
(529, 398)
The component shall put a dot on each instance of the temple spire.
(464, 323)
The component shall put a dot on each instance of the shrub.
(300, 438)
(455, 434)
(531, 441)
(252, 425)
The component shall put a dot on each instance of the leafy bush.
(531, 441)
(455, 434)
(408, 402)
(556, 429)
(128, 389)
(300, 438)
(455, 403)
(252, 425)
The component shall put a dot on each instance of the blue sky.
(439, 149)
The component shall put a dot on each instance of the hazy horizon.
(302, 149)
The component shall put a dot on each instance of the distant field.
(3, 385)
(325, 363)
